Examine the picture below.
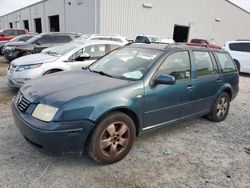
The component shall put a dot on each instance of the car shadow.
(245, 75)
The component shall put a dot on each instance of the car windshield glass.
(63, 49)
(127, 63)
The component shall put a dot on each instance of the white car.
(240, 52)
(147, 39)
(70, 56)
(114, 37)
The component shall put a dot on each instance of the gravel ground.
(196, 153)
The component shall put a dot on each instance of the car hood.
(59, 88)
(34, 59)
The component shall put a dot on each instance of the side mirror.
(165, 79)
(38, 42)
(83, 57)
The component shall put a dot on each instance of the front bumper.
(58, 141)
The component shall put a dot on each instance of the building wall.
(74, 15)
(130, 18)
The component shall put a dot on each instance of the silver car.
(70, 56)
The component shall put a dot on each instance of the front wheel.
(112, 139)
(220, 109)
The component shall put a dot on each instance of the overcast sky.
(7, 6)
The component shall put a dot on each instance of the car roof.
(168, 47)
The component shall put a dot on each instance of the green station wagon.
(131, 90)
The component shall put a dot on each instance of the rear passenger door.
(206, 82)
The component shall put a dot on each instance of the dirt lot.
(197, 153)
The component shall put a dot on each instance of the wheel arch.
(126, 111)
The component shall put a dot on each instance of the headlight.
(9, 48)
(44, 112)
(26, 67)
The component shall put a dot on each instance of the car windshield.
(63, 49)
(127, 63)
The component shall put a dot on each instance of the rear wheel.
(237, 64)
(220, 108)
(112, 139)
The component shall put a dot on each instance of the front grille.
(22, 103)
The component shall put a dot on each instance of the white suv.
(240, 52)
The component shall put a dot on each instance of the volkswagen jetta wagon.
(131, 90)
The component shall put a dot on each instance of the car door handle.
(190, 87)
(219, 81)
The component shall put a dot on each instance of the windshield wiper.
(101, 73)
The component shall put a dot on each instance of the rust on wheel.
(222, 107)
(114, 139)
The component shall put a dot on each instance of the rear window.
(226, 63)
(241, 47)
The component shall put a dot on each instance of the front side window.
(129, 63)
(240, 47)
(204, 63)
(62, 38)
(177, 65)
(226, 63)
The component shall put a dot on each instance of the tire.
(112, 139)
(237, 64)
(220, 109)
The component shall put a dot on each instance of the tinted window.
(20, 32)
(177, 65)
(226, 62)
(25, 38)
(45, 39)
(242, 47)
(142, 39)
(203, 63)
(62, 38)
(9, 33)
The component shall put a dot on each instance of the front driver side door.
(165, 103)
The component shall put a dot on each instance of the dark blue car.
(129, 91)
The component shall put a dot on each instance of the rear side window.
(142, 39)
(20, 32)
(62, 38)
(177, 65)
(46, 39)
(204, 63)
(226, 63)
(241, 47)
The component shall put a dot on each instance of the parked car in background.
(8, 34)
(240, 52)
(203, 42)
(147, 39)
(70, 56)
(134, 89)
(116, 38)
(37, 43)
(20, 38)
(167, 41)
